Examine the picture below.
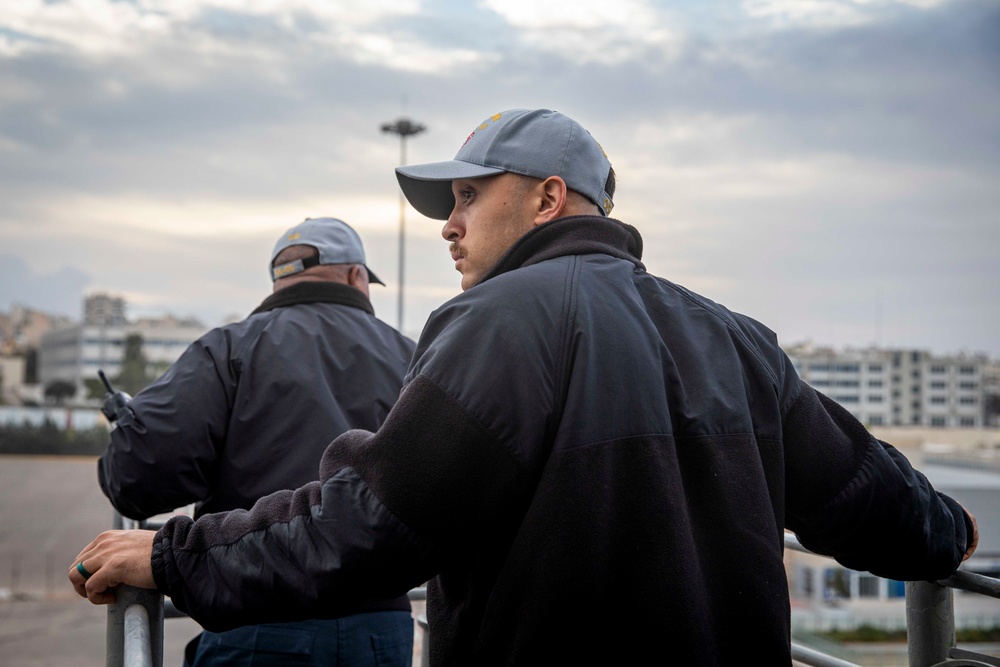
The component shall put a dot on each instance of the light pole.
(403, 127)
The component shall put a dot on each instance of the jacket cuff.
(157, 562)
(970, 531)
(962, 541)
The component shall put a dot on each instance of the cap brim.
(428, 186)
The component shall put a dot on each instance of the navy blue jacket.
(594, 464)
(249, 408)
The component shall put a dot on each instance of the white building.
(11, 377)
(892, 387)
(104, 310)
(964, 464)
(77, 352)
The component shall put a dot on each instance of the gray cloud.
(792, 171)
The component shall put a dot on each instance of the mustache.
(456, 251)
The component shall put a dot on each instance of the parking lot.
(52, 507)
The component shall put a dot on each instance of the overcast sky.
(828, 167)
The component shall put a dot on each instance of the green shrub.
(48, 439)
(868, 633)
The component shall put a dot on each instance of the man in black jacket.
(248, 410)
(592, 464)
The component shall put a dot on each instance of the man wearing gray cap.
(594, 464)
(248, 409)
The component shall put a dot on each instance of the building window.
(968, 385)
(967, 421)
(938, 384)
(868, 586)
(836, 583)
(806, 582)
(874, 368)
(846, 383)
(876, 420)
(967, 370)
(938, 370)
(874, 383)
(874, 398)
(968, 400)
(819, 368)
(847, 398)
(939, 421)
(117, 342)
(819, 383)
(847, 368)
(939, 400)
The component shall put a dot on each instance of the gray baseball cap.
(532, 142)
(335, 241)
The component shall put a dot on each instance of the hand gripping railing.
(135, 622)
(930, 622)
(135, 619)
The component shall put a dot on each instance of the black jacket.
(249, 408)
(597, 464)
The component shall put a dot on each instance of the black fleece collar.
(314, 291)
(573, 235)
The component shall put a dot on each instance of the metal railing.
(135, 622)
(930, 622)
(135, 619)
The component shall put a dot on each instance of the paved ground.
(51, 508)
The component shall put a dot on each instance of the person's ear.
(551, 199)
(357, 277)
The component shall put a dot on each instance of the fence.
(135, 623)
(26, 575)
(62, 418)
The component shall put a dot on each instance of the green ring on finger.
(82, 570)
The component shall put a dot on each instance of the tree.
(31, 366)
(133, 375)
(95, 388)
(60, 390)
(991, 410)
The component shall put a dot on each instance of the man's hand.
(975, 536)
(115, 557)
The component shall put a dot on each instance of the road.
(51, 508)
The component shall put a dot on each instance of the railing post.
(122, 612)
(138, 637)
(425, 646)
(930, 622)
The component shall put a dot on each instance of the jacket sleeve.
(163, 458)
(859, 500)
(389, 509)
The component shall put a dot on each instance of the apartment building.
(76, 352)
(896, 387)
